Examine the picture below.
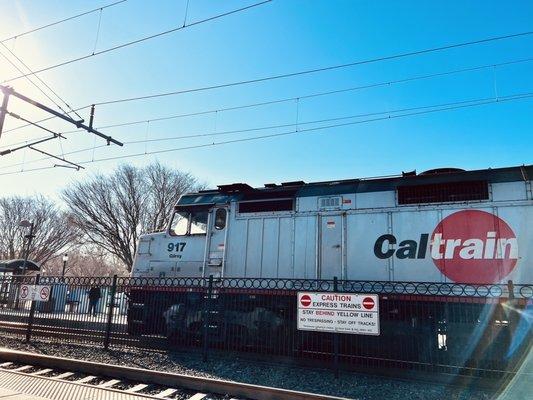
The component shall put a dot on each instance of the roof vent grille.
(328, 203)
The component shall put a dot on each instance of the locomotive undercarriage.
(424, 333)
(180, 316)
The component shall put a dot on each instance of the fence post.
(510, 287)
(110, 313)
(32, 312)
(336, 336)
(207, 315)
(513, 314)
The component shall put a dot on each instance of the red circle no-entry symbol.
(45, 292)
(474, 246)
(368, 303)
(305, 300)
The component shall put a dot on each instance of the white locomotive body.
(439, 226)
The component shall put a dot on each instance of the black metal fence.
(463, 329)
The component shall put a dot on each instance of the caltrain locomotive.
(442, 225)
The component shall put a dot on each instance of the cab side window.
(180, 223)
(188, 223)
(220, 219)
(198, 224)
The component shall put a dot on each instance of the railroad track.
(22, 327)
(51, 376)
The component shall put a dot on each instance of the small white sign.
(338, 312)
(35, 292)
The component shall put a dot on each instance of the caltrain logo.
(470, 246)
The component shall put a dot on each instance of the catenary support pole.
(3, 111)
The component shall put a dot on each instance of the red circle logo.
(474, 246)
(305, 300)
(368, 303)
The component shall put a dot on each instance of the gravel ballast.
(287, 376)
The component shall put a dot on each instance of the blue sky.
(279, 37)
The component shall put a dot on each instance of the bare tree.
(165, 188)
(87, 261)
(113, 210)
(53, 232)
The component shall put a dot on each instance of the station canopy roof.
(16, 266)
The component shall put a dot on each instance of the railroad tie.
(137, 388)
(109, 383)
(166, 393)
(42, 371)
(24, 368)
(64, 375)
(86, 379)
(198, 396)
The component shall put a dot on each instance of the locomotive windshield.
(186, 222)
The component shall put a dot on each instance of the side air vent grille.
(443, 192)
(266, 206)
(328, 203)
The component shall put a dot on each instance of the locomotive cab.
(193, 244)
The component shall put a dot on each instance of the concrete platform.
(16, 386)
(14, 395)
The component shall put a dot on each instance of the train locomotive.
(445, 226)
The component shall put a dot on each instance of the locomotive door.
(216, 246)
(331, 247)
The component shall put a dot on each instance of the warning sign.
(25, 292)
(338, 312)
(35, 292)
(44, 293)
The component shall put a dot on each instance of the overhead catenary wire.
(31, 81)
(298, 123)
(421, 111)
(56, 157)
(61, 21)
(79, 124)
(330, 92)
(295, 131)
(316, 70)
(36, 124)
(186, 12)
(25, 146)
(100, 10)
(55, 135)
(299, 97)
(97, 30)
(40, 80)
(143, 39)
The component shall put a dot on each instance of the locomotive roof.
(242, 191)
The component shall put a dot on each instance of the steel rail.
(200, 384)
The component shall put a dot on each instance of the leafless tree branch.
(113, 210)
